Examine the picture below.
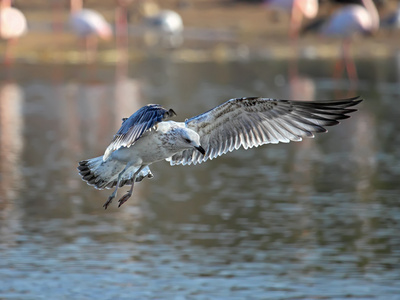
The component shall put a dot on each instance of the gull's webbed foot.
(124, 198)
(110, 199)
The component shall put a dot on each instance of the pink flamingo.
(12, 26)
(350, 20)
(163, 25)
(89, 25)
(298, 10)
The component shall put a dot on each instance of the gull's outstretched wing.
(251, 122)
(137, 124)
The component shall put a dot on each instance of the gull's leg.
(112, 196)
(125, 197)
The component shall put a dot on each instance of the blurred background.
(319, 219)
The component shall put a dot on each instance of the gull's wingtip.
(354, 100)
(357, 99)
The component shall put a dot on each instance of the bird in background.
(89, 25)
(147, 137)
(164, 24)
(12, 26)
(356, 17)
(392, 21)
(359, 17)
(298, 10)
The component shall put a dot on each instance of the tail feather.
(104, 174)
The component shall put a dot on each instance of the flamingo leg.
(91, 48)
(338, 69)
(121, 26)
(8, 57)
(350, 66)
(295, 20)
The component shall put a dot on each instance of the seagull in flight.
(147, 136)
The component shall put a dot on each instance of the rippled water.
(318, 219)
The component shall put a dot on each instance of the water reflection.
(317, 219)
(11, 145)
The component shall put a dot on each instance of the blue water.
(318, 219)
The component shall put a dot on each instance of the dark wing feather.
(251, 122)
(137, 124)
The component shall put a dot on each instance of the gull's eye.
(188, 141)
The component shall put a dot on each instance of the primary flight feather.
(147, 137)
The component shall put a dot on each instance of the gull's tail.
(104, 174)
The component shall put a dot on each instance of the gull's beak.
(201, 150)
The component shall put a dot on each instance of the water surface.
(318, 219)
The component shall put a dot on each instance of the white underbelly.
(145, 151)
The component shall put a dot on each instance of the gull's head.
(188, 139)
